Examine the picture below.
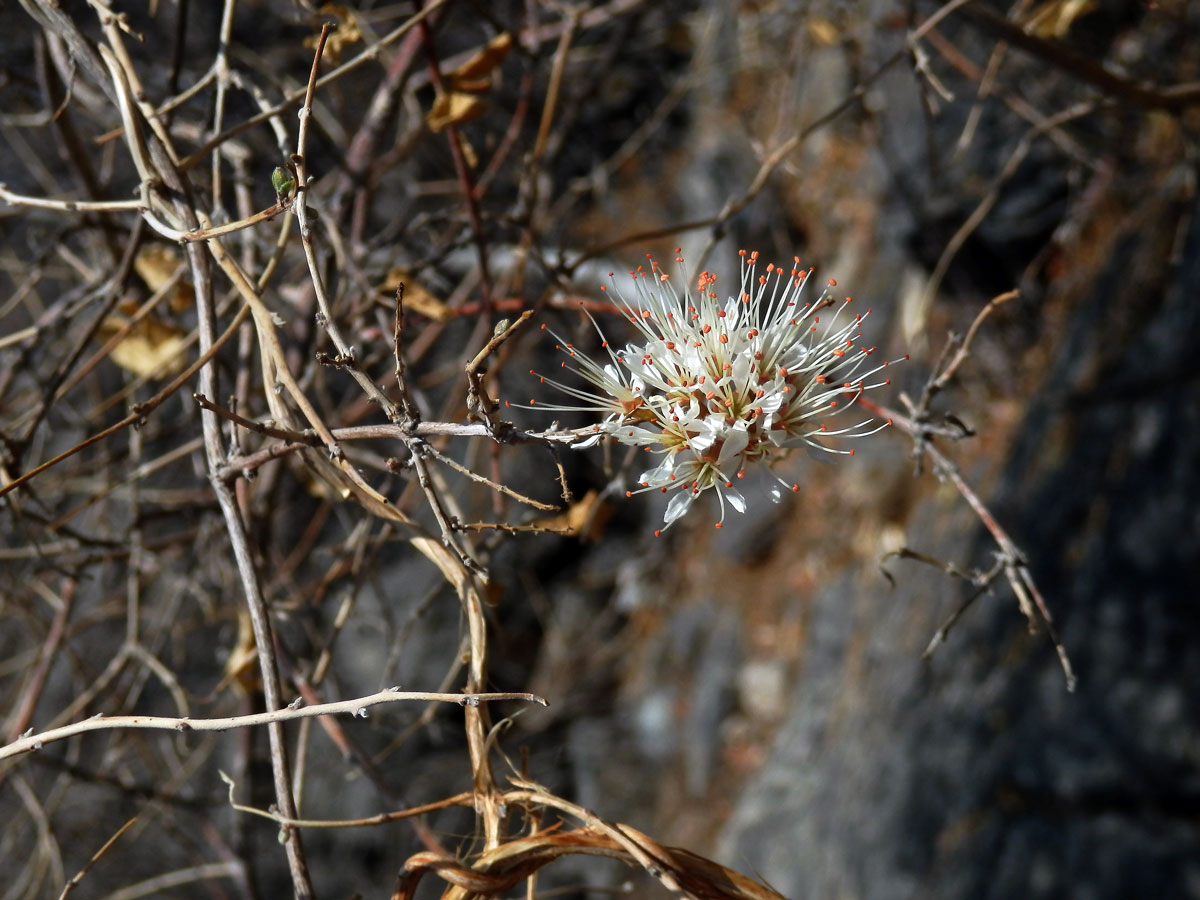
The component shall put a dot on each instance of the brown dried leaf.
(416, 297)
(156, 264)
(479, 66)
(822, 31)
(454, 108)
(585, 518)
(241, 665)
(463, 100)
(151, 349)
(502, 868)
(1054, 18)
(347, 32)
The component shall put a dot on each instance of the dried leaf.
(454, 108)
(501, 868)
(822, 31)
(463, 100)
(585, 518)
(472, 85)
(241, 664)
(482, 63)
(347, 32)
(416, 297)
(156, 264)
(151, 349)
(1054, 18)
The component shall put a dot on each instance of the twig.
(1015, 566)
(299, 441)
(517, 529)
(78, 877)
(70, 205)
(300, 206)
(308, 440)
(981, 581)
(350, 65)
(356, 707)
(479, 404)
(961, 349)
(917, 424)
(1178, 96)
(262, 215)
(463, 799)
(412, 414)
(470, 201)
(989, 200)
(495, 486)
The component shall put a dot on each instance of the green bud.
(501, 327)
(282, 181)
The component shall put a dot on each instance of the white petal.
(635, 435)
(771, 401)
(660, 474)
(743, 364)
(701, 442)
(736, 439)
(680, 504)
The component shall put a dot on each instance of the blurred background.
(757, 695)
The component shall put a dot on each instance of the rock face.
(977, 774)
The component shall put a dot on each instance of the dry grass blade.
(499, 870)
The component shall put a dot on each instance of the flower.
(713, 387)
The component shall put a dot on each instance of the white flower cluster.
(713, 387)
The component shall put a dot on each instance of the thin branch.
(1138, 95)
(78, 877)
(29, 742)
(989, 200)
(495, 486)
(81, 206)
(479, 404)
(463, 799)
(961, 350)
(1011, 554)
(370, 53)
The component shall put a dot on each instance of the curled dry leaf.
(823, 32)
(156, 265)
(241, 667)
(480, 66)
(504, 867)
(417, 297)
(1054, 18)
(585, 518)
(151, 348)
(463, 99)
(348, 32)
(454, 108)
